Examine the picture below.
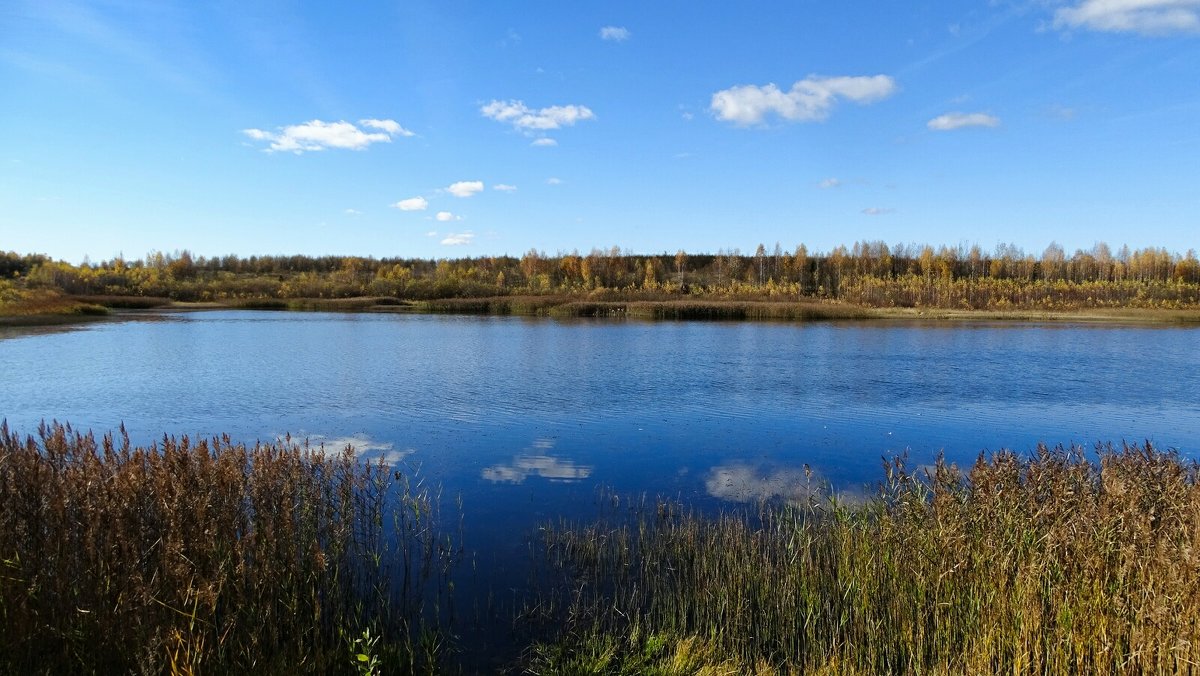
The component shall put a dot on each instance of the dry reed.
(1054, 563)
(213, 557)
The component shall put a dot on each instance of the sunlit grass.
(214, 557)
(1052, 564)
(16, 302)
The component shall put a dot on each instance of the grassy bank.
(1055, 564)
(23, 307)
(214, 557)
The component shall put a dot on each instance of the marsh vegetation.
(212, 556)
(1063, 562)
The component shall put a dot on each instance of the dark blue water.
(526, 417)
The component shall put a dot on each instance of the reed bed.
(214, 557)
(1060, 562)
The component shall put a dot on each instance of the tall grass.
(17, 303)
(1056, 563)
(213, 556)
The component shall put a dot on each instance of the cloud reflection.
(740, 482)
(536, 463)
(365, 448)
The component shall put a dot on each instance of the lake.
(526, 418)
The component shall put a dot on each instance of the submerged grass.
(214, 557)
(1055, 563)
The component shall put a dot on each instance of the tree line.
(869, 273)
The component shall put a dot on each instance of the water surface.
(526, 417)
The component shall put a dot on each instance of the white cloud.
(458, 239)
(544, 143)
(353, 212)
(878, 211)
(524, 118)
(412, 204)
(1147, 17)
(464, 188)
(504, 187)
(830, 183)
(615, 33)
(554, 180)
(318, 135)
(444, 216)
(389, 126)
(809, 100)
(951, 121)
(431, 233)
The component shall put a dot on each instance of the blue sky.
(446, 129)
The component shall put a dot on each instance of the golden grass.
(1052, 564)
(211, 557)
(20, 304)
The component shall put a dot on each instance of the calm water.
(526, 417)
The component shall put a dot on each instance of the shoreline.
(651, 310)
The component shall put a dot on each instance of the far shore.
(558, 306)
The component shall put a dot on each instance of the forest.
(866, 274)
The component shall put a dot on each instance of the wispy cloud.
(544, 143)
(446, 216)
(412, 204)
(524, 118)
(504, 187)
(615, 33)
(1146, 17)
(952, 121)
(353, 212)
(459, 239)
(828, 183)
(554, 180)
(464, 188)
(878, 211)
(1062, 112)
(809, 100)
(318, 135)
